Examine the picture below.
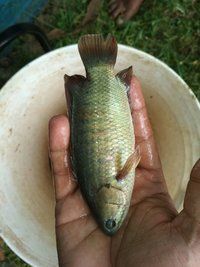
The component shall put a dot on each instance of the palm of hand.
(153, 234)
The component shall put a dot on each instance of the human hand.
(154, 233)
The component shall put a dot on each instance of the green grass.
(11, 259)
(167, 29)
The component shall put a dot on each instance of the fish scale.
(113, 131)
(102, 134)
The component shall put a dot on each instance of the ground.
(167, 29)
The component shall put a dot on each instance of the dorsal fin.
(72, 85)
(94, 50)
(73, 82)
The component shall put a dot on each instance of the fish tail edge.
(94, 49)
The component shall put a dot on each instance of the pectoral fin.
(131, 163)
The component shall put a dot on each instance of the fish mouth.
(110, 208)
(110, 226)
(111, 223)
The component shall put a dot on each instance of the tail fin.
(94, 49)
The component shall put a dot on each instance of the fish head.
(111, 208)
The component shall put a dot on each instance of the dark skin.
(154, 233)
(123, 10)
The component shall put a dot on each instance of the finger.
(192, 196)
(116, 12)
(112, 2)
(130, 11)
(59, 133)
(143, 131)
(116, 9)
(149, 179)
(112, 7)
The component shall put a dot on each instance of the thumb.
(192, 196)
(59, 132)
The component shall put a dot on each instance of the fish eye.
(110, 224)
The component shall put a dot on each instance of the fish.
(102, 140)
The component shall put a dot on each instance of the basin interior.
(33, 96)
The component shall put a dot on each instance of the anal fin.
(132, 162)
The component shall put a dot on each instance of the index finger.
(150, 181)
(143, 131)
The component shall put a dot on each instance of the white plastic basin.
(33, 96)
